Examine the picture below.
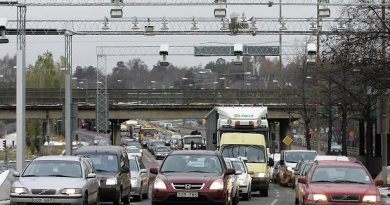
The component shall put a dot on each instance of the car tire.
(117, 199)
(296, 200)
(146, 195)
(97, 202)
(264, 192)
(85, 200)
(126, 199)
(248, 195)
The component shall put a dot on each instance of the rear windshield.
(192, 163)
(104, 162)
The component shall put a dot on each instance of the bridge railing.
(158, 96)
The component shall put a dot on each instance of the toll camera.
(164, 52)
(3, 25)
(238, 49)
(311, 53)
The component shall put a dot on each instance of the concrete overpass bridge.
(150, 103)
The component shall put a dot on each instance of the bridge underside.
(134, 112)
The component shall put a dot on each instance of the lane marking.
(274, 202)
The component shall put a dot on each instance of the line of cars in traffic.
(94, 174)
(322, 179)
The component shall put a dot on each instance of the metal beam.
(133, 3)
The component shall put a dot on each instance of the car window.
(239, 166)
(133, 165)
(228, 164)
(340, 174)
(196, 140)
(59, 168)
(162, 149)
(133, 151)
(254, 154)
(294, 157)
(192, 163)
(86, 169)
(141, 164)
(104, 162)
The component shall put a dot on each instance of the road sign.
(287, 140)
(229, 51)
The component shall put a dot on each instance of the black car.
(112, 166)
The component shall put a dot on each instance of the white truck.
(242, 132)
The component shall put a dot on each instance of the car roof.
(57, 157)
(193, 152)
(338, 163)
(232, 159)
(299, 150)
(100, 149)
(331, 157)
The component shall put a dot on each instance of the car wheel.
(146, 195)
(264, 192)
(248, 195)
(117, 200)
(126, 199)
(97, 202)
(85, 201)
(296, 200)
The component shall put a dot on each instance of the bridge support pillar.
(283, 128)
(116, 134)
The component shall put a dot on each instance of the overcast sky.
(84, 47)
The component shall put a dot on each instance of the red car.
(192, 177)
(339, 182)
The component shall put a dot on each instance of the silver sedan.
(139, 179)
(56, 179)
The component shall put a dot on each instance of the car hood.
(190, 177)
(49, 182)
(343, 188)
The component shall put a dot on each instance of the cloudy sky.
(84, 47)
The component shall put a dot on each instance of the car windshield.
(254, 154)
(133, 151)
(294, 157)
(162, 149)
(55, 168)
(149, 132)
(340, 174)
(133, 165)
(196, 140)
(239, 166)
(192, 163)
(104, 162)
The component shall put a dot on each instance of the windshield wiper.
(199, 171)
(168, 171)
(348, 181)
(322, 181)
(102, 170)
(31, 175)
(60, 175)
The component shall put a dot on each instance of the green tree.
(44, 74)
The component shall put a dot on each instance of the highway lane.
(277, 195)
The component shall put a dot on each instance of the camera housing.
(311, 50)
(3, 28)
(238, 49)
(164, 49)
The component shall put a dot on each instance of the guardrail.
(158, 96)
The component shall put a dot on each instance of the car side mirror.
(281, 162)
(153, 170)
(302, 180)
(91, 175)
(230, 171)
(126, 169)
(16, 174)
(378, 182)
(271, 162)
(144, 171)
(238, 173)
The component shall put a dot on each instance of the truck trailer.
(242, 132)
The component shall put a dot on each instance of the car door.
(143, 176)
(88, 181)
(125, 176)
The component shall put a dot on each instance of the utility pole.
(317, 80)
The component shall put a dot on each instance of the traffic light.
(5, 144)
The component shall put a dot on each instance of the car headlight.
(317, 197)
(217, 185)
(111, 181)
(18, 190)
(134, 181)
(290, 169)
(371, 198)
(159, 184)
(71, 191)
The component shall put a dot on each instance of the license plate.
(42, 200)
(187, 194)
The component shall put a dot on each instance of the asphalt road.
(277, 195)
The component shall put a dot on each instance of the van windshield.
(196, 140)
(254, 153)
